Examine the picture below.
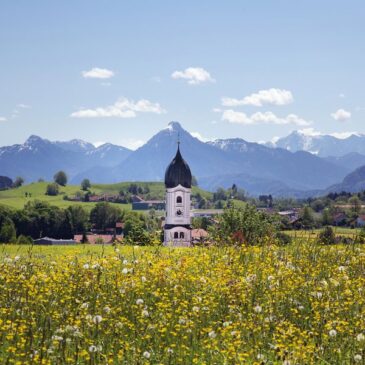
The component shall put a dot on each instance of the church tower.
(177, 229)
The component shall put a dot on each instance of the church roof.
(178, 172)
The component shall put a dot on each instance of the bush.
(327, 236)
(52, 189)
(244, 225)
(283, 238)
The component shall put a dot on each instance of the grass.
(15, 198)
(299, 304)
(312, 234)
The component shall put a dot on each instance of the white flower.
(145, 313)
(143, 279)
(227, 323)
(182, 320)
(357, 358)
(8, 260)
(86, 266)
(341, 268)
(147, 354)
(139, 301)
(301, 308)
(125, 271)
(258, 309)
(332, 333)
(107, 310)
(286, 362)
(16, 258)
(270, 278)
(84, 305)
(97, 319)
(260, 357)
(57, 338)
(95, 266)
(196, 309)
(93, 348)
(212, 334)
(360, 337)
(125, 262)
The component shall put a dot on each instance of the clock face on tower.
(179, 212)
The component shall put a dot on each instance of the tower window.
(179, 200)
(181, 234)
(176, 235)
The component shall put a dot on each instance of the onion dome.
(178, 172)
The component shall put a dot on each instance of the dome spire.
(178, 172)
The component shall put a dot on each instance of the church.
(178, 178)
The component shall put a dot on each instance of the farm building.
(148, 204)
(53, 241)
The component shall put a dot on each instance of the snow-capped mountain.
(321, 145)
(40, 158)
(254, 167)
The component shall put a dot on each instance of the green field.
(15, 198)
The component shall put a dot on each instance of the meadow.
(299, 304)
(16, 198)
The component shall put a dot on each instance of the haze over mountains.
(295, 166)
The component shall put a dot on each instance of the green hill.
(16, 198)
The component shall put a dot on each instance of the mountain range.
(283, 169)
(321, 145)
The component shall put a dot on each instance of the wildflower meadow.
(299, 304)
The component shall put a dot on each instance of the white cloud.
(262, 118)
(2, 119)
(194, 75)
(341, 95)
(217, 110)
(98, 73)
(344, 135)
(341, 115)
(24, 106)
(200, 137)
(271, 96)
(122, 108)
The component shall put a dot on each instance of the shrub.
(327, 236)
(244, 225)
(52, 189)
(283, 238)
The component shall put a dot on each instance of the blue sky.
(249, 69)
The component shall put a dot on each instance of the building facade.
(178, 178)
